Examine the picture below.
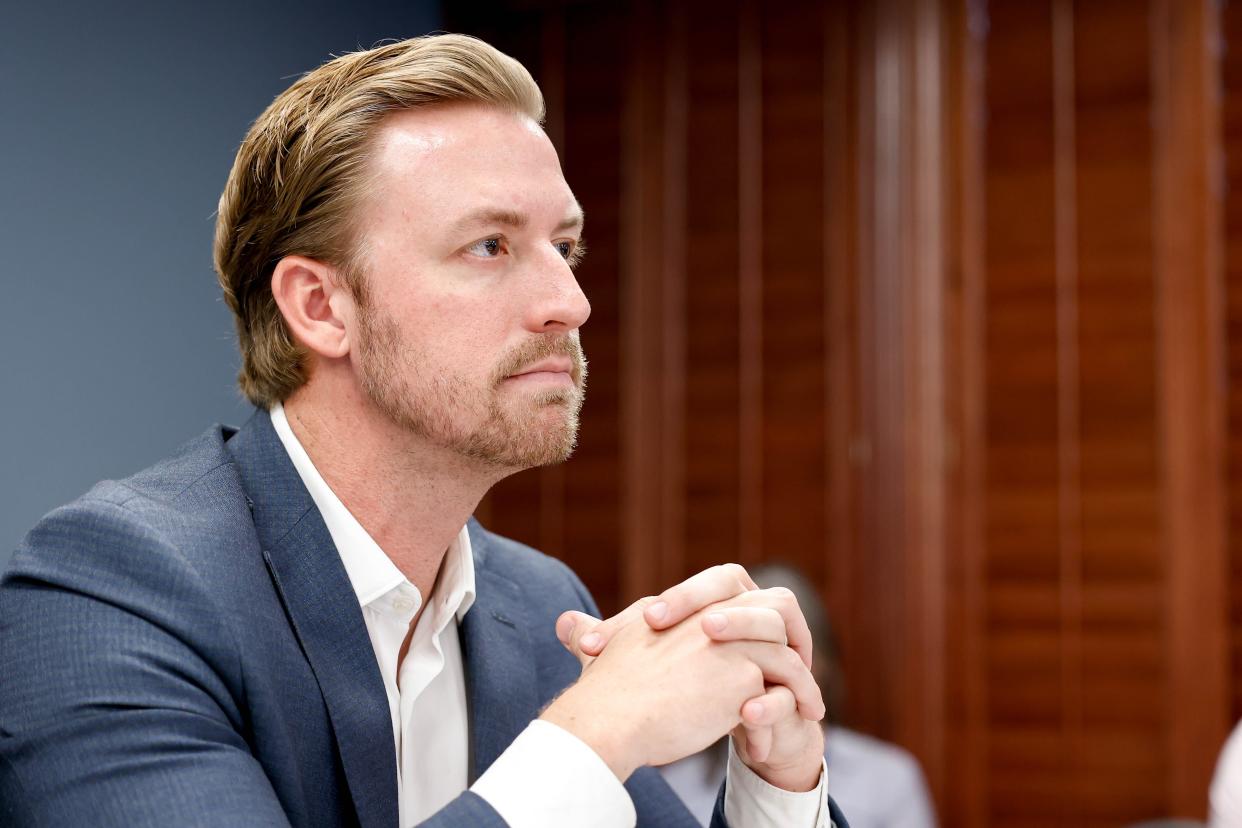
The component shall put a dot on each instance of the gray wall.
(118, 124)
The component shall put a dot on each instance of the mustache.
(534, 350)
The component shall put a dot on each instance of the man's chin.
(543, 437)
(519, 458)
(547, 446)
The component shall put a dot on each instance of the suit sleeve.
(117, 702)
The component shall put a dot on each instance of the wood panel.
(921, 713)
(1192, 333)
(712, 322)
(841, 222)
(1024, 661)
(1231, 118)
(791, 347)
(1111, 486)
(643, 346)
(966, 748)
(1121, 668)
(898, 577)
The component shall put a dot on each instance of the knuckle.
(784, 597)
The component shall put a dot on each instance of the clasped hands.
(670, 674)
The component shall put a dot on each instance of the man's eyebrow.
(513, 219)
(490, 215)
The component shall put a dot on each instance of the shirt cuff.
(750, 802)
(549, 778)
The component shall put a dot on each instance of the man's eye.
(571, 251)
(487, 248)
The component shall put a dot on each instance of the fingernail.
(565, 629)
(657, 611)
(718, 620)
(590, 641)
(753, 710)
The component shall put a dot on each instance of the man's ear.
(315, 303)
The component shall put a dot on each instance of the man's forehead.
(478, 164)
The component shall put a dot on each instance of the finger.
(741, 740)
(758, 742)
(784, 602)
(696, 592)
(745, 624)
(782, 665)
(605, 630)
(760, 717)
(776, 704)
(565, 626)
(571, 627)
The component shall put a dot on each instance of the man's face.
(467, 324)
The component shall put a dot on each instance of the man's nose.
(557, 302)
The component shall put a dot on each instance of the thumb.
(570, 628)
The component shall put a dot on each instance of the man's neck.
(411, 497)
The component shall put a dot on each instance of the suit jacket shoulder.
(125, 660)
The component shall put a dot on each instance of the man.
(298, 622)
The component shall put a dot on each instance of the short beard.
(390, 370)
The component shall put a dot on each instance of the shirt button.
(402, 604)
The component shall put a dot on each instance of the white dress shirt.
(548, 778)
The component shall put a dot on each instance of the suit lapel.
(325, 616)
(499, 660)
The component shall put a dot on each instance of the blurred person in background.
(878, 784)
(1226, 792)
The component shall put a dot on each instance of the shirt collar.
(371, 572)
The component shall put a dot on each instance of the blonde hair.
(300, 174)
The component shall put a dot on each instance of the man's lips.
(553, 369)
(551, 365)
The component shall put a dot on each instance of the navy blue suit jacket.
(184, 648)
